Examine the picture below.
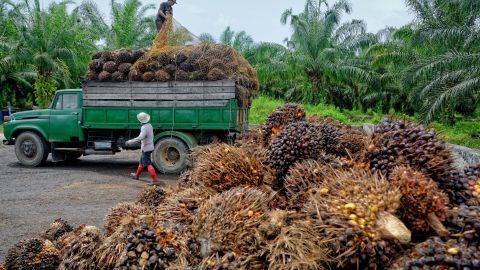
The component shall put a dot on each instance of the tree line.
(429, 68)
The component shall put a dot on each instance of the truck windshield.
(66, 102)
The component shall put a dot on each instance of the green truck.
(99, 118)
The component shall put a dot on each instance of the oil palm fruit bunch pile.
(308, 174)
(279, 118)
(423, 204)
(149, 248)
(229, 222)
(252, 142)
(224, 166)
(123, 210)
(33, 254)
(436, 253)
(79, 248)
(152, 196)
(353, 211)
(57, 229)
(465, 186)
(112, 65)
(397, 142)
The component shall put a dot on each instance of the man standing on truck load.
(165, 8)
(146, 139)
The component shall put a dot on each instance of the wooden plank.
(106, 103)
(181, 104)
(128, 84)
(123, 96)
(153, 90)
(182, 96)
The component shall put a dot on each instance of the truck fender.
(187, 138)
(23, 128)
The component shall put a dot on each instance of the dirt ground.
(81, 192)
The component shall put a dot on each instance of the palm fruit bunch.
(149, 248)
(397, 142)
(279, 118)
(123, 210)
(297, 141)
(298, 246)
(423, 204)
(307, 174)
(57, 229)
(112, 65)
(252, 142)
(353, 211)
(465, 186)
(151, 196)
(110, 252)
(436, 253)
(464, 222)
(33, 254)
(229, 222)
(179, 208)
(79, 248)
(224, 166)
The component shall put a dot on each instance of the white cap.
(143, 117)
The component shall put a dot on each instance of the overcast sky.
(261, 18)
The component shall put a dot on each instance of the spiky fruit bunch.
(216, 74)
(223, 166)
(180, 208)
(228, 222)
(435, 253)
(110, 66)
(464, 221)
(134, 75)
(123, 56)
(97, 55)
(465, 187)
(57, 229)
(423, 204)
(105, 76)
(165, 59)
(252, 142)
(162, 76)
(151, 196)
(170, 69)
(397, 142)
(148, 76)
(33, 254)
(279, 118)
(353, 212)
(226, 262)
(297, 141)
(181, 75)
(149, 248)
(137, 54)
(91, 75)
(108, 255)
(180, 57)
(96, 65)
(298, 247)
(118, 76)
(108, 56)
(123, 210)
(79, 248)
(308, 174)
(142, 66)
(217, 63)
(125, 68)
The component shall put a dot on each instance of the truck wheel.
(31, 150)
(170, 155)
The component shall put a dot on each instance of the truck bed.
(190, 105)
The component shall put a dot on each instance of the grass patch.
(466, 133)
(1, 128)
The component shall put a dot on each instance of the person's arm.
(143, 134)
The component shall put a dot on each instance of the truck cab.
(99, 118)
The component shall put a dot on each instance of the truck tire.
(31, 149)
(170, 155)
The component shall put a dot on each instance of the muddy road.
(80, 192)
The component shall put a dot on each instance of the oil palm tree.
(240, 41)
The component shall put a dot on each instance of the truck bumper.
(7, 142)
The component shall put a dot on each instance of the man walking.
(146, 139)
(165, 8)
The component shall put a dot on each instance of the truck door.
(65, 118)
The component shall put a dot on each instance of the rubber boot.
(153, 174)
(136, 175)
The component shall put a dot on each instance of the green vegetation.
(466, 133)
